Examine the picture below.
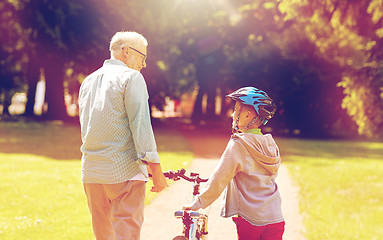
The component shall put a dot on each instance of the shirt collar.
(254, 131)
(114, 62)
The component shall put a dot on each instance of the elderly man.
(118, 141)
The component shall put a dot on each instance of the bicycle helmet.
(256, 98)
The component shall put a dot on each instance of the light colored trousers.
(117, 209)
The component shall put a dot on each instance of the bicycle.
(194, 222)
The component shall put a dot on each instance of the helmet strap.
(236, 128)
(252, 122)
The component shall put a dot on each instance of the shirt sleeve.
(228, 166)
(137, 108)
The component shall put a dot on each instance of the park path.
(208, 145)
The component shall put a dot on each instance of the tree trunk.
(7, 101)
(207, 79)
(211, 97)
(54, 95)
(197, 109)
(210, 60)
(33, 76)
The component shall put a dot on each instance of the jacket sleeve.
(229, 165)
(137, 108)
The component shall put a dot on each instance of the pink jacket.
(247, 169)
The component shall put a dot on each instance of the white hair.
(125, 38)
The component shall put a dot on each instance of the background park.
(320, 60)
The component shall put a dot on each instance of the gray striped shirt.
(116, 131)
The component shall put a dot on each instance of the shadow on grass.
(207, 140)
(329, 149)
(53, 139)
(62, 141)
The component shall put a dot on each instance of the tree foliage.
(305, 52)
(349, 33)
(320, 60)
(61, 34)
(11, 61)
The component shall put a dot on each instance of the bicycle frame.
(194, 222)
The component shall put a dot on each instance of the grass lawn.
(341, 187)
(340, 182)
(41, 194)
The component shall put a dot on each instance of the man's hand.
(159, 180)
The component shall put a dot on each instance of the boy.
(247, 169)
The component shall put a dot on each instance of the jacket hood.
(262, 148)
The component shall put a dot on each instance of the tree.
(183, 51)
(302, 46)
(11, 62)
(298, 50)
(303, 84)
(60, 33)
(350, 34)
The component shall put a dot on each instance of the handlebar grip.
(181, 213)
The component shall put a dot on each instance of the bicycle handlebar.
(177, 175)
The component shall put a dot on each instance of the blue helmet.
(256, 98)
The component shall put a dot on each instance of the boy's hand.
(189, 207)
(159, 180)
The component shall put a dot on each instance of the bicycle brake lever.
(194, 174)
(176, 178)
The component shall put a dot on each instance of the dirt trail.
(160, 223)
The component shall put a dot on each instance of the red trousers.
(247, 231)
